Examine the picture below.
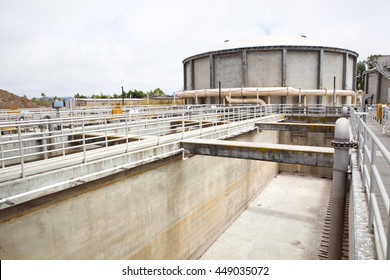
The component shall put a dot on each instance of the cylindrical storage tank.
(273, 61)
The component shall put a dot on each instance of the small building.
(377, 83)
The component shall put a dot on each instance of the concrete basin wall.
(317, 139)
(169, 209)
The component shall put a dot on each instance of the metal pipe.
(340, 168)
(244, 101)
(265, 91)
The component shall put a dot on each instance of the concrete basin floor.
(284, 222)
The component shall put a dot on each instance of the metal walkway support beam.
(305, 155)
(297, 127)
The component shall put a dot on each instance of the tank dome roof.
(267, 41)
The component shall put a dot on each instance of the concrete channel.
(159, 198)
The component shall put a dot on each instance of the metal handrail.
(370, 151)
(386, 121)
(42, 138)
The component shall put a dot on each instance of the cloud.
(65, 47)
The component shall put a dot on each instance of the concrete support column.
(365, 90)
(320, 68)
(185, 76)
(340, 168)
(244, 69)
(354, 86)
(192, 75)
(378, 91)
(212, 71)
(345, 71)
(284, 68)
(320, 73)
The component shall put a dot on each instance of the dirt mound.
(11, 101)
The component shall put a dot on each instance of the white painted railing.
(372, 152)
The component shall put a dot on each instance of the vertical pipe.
(257, 97)
(340, 168)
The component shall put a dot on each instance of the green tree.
(360, 68)
(372, 61)
(135, 94)
(156, 92)
(78, 95)
(43, 101)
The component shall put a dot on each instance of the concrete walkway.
(381, 163)
(376, 128)
(284, 222)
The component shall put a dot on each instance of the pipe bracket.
(344, 144)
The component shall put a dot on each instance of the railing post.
(372, 186)
(387, 257)
(200, 124)
(21, 151)
(84, 148)
(2, 153)
(364, 132)
(182, 125)
(127, 133)
(105, 131)
(63, 139)
(158, 128)
(138, 126)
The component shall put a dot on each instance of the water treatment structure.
(273, 70)
(242, 182)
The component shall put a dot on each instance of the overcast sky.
(90, 47)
